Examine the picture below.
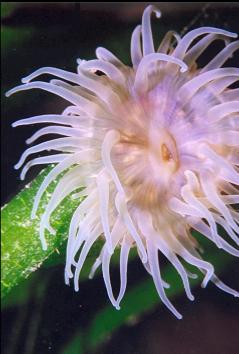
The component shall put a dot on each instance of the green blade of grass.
(22, 253)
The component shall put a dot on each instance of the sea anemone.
(154, 149)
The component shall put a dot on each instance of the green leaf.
(75, 346)
(7, 8)
(22, 253)
(12, 38)
(20, 294)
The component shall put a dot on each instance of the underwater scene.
(120, 178)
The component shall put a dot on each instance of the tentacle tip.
(33, 215)
(67, 281)
(97, 50)
(8, 93)
(204, 284)
(179, 316)
(68, 273)
(25, 80)
(117, 307)
(191, 298)
(184, 68)
(44, 245)
(16, 167)
(158, 13)
(29, 141)
(14, 125)
(80, 62)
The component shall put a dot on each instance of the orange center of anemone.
(165, 152)
(146, 164)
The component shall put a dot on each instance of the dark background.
(56, 34)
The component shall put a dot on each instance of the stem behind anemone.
(22, 253)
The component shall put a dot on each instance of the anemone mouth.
(147, 166)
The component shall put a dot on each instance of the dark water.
(51, 314)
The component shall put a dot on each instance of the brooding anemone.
(155, 147)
